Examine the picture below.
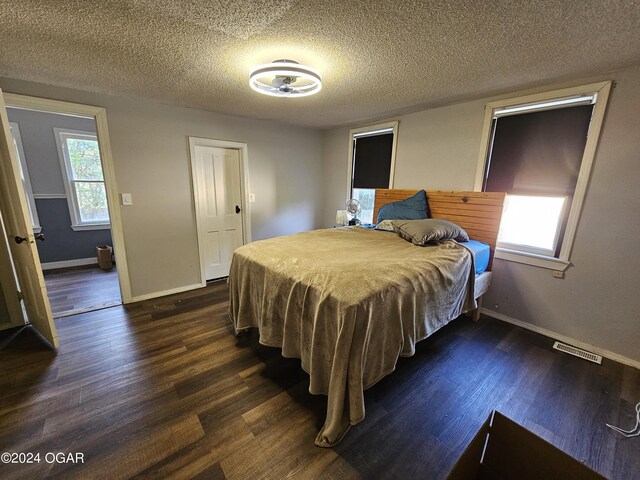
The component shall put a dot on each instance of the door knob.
(40, 237)
(237, 209)
(19, 239)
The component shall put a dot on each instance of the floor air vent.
(592, 357)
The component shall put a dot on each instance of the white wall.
(151, 159)
(598, 301)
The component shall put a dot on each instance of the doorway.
(74, 175)
(221, 198)
(64, 184)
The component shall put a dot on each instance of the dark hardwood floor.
(81, 289)
(163, 389)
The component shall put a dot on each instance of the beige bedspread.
(348, 302)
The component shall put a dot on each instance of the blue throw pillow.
(412, 208)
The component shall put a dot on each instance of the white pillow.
(385, 226)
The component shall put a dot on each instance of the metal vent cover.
(592, 357)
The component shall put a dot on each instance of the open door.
(13, 306)
(20, 237)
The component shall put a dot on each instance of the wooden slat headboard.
(477, 212)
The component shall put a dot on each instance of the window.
(82, 169)
(539, 150)
(371, 164)
(24, 174)
(531, 223)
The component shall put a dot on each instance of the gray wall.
(45, 172)
(151, 159)
(61, 241)
(597, 302)
(39, 143)
(437, 149)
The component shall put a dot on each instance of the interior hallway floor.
(78, 290)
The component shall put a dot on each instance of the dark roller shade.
(538, 153)
(372, 161)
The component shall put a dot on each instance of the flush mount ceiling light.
(285, 78)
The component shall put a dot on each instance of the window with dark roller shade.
(535, 157)
(372, 161)
(539, 149)
(371, 165)
(538, 153)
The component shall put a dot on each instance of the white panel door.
(19, 231)
(219, 207)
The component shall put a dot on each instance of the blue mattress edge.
(481, 252)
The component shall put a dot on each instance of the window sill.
(533, 259)
(91, 226)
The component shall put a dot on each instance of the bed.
(349, 301)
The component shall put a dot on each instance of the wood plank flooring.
(163, 389)
(83, 289)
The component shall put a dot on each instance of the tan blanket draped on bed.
(347, 302)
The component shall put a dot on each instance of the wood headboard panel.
(477, 212)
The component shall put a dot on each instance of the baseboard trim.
(70, 263)
(164, 293)
(556, 336)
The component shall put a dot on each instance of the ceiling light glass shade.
(285, 78)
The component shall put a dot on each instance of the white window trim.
(72, 201)
(49, 196)
(90, 226)
(534, 259)
(371, 128)
(601, 92)
(28, 189)
(516, 247)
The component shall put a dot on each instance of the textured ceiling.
(377, 58)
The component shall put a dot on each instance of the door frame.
(99, 114)
(243, 151)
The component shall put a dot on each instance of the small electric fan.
(353, 208)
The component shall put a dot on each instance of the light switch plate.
(126, 198)
(252, 198)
